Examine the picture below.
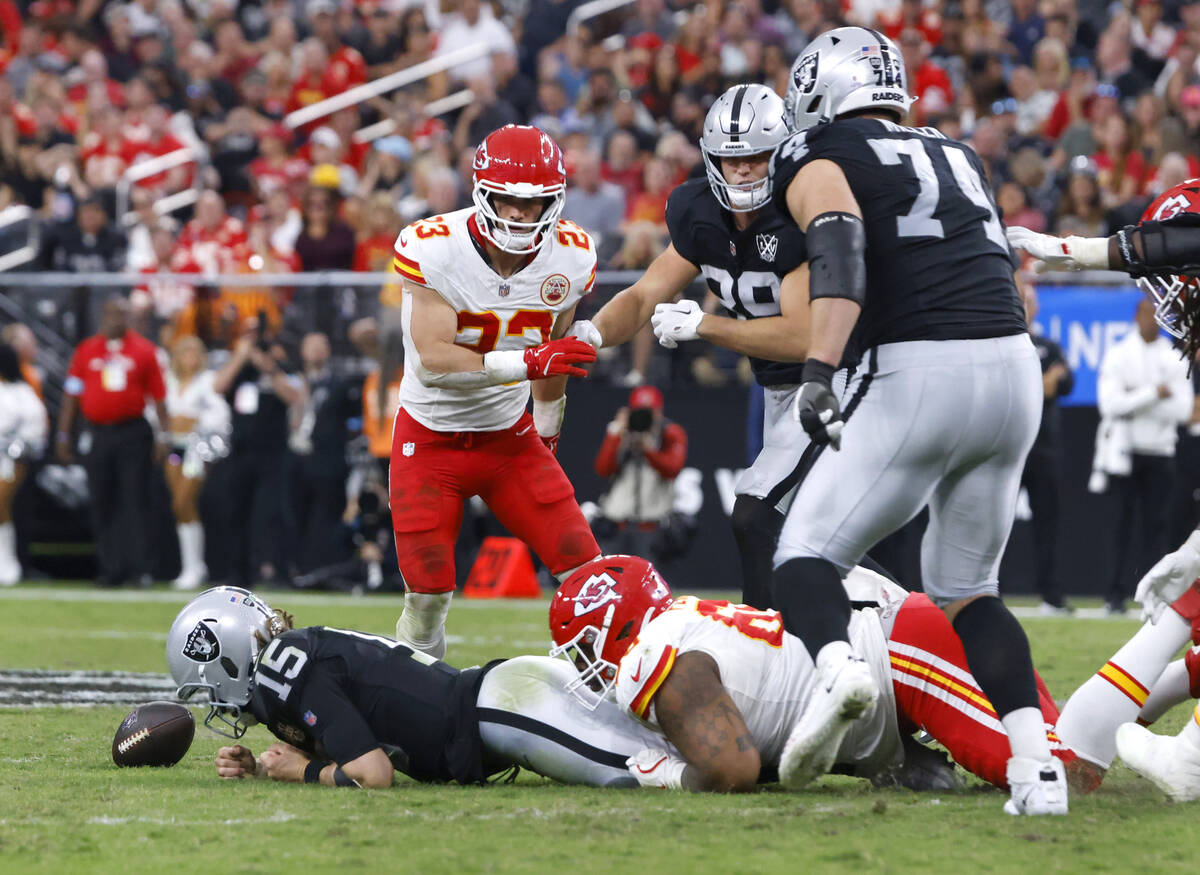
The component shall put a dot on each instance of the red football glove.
(556, 358)
(551, 442)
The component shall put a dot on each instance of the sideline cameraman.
(259, 391)
(643, 453)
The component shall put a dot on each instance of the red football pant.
(517, 477)
(936, 692)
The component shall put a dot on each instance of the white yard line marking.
(59, 593)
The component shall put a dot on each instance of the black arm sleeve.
(1169, 246)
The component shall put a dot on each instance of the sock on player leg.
(423, 622)
(1171, 688)
(1116, 693)
(809, 595)
(756, 526)
(998, 656)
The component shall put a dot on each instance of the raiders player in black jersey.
(753, 261)
(909, 263)
(351, 708)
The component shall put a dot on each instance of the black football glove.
(817, 408)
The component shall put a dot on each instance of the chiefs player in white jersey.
(725, 684)
(488, 294)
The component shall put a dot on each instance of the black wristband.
(341, 779)
(312, 772)
(817, 371)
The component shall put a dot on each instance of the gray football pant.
(940, 423)
(777, 468)
(526, 716)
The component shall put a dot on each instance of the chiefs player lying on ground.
(351, 709)
(724, 685)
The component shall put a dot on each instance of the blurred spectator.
(1026, 29)
(381, 44)
(1151, 37)
(90, 244)
(157, 142)
(928, 82)
(473, 23)
(512, 86)
(23, 427)
(1014, 206)
(1114, 60)
(1080, 211)
(381, 395)
(346, 67)
(325, 241)
(21, 338)
(651, 16)
(329, 403)
(167, 298)
(622, 165)
(259, 391)
(1144, 394)
(650, 204)
(198, 433)
(643, 241)
(112, 377)
(214, 240)
(234, 145)
(276, 167)
(593, 204)
(642, 454)
(485, 113)
(387, 169)
(1120, 167)
(1042, 476)
(377, 240)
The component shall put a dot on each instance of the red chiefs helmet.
(597, 614)
(1170, 292)
(519, 161)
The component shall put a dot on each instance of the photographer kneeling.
(642, 453)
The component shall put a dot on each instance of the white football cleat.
(845, 691)
(1170, 764)
(1037, 787)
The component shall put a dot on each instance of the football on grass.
(157, 734)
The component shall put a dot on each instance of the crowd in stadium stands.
(1081, 110)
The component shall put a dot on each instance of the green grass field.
(64, 807)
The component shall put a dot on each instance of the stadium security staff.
(111, 376)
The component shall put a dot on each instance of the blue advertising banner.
(1085, 321)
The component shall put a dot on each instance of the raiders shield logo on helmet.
(202, 644)
(806, 73)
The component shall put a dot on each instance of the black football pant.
(319, 493)
(1147, 489)
(257, 486)
(119, 465)
(1041, 481)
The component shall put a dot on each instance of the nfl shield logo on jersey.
(555, 288)
(768, 245)
(408, 448)
(505, 288)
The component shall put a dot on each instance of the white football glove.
(675, 322)
(1169, 578)
(587, 332)
(1061, 253)
(657, 769)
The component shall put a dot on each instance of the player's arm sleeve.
(1168, 246)
(340, 729)
(669, 459)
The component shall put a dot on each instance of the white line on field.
(39, 593)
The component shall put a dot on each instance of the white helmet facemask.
(517, 238)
